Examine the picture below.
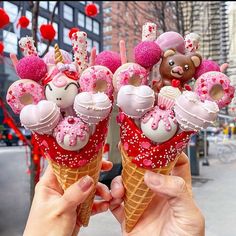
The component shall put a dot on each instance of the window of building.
(96, 44)
(107, 19)
(68, 12)
(81, 18)
(10, 42)
(88, 24)
(82, 2)
(66, 38)
(29, 16)
(107, 10)
(107, 47)
(41, 48)
(107, 37)
(43, 4)
(89, 44)
(11, 9)
(107, 28)
(96, 27)
(52, 5)
(55, 26)
(42, 20)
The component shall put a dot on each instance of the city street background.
(214, 191)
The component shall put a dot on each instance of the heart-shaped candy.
(92, 107)
(41, 118)
(135, 101)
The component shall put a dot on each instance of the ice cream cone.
(137, 194)
(138, 155)
(66, 176)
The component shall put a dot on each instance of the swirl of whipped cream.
(170, 92)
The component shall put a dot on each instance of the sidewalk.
(215, 193)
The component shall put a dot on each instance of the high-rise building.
(232, 53)
(209, 19)
(68, 14)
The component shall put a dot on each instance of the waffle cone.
(137, 194)
(66, 176)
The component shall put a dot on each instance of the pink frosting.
(49, 58)
(20, 88)
(159, 114)
(126, 71)
(172, 40)
(74, 127)
(206, 66)
(94, 73)
(205, 83)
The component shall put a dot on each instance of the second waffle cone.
(137, 195)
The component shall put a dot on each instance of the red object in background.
(4, 18)
(73, 30)
(9, 137)
(91, 10)
(106, 150)
(47, 31)
(23, 22)
(1, 47)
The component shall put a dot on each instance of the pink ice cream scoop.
(92, 107)
(192, 114)
(135, 101)
(41, 118)
(72, 133)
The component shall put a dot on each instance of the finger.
(117, 209)
(103, 191)
(77, 193)
(172, 187)
(106, 165)
(182, 169)
(117, 188)
(49, 180)
(99, 207)
(117, 192)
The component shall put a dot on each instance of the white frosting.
(170, 92)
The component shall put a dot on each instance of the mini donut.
(97, 79)
(130, 73)
(24, 92)
(215, 86)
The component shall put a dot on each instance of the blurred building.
(232, 53)
(209, 19)
(68, 14)
(124, 20)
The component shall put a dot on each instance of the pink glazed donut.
(215, 86)
(24, 92)
(97, 79)
(130, 73)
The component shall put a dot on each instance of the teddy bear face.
(178, 66)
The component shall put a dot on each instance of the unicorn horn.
(58, 55)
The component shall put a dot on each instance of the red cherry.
(71, 121)
(162, 107)
(175, 83)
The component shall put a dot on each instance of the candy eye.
(186, 67)
(171, 62)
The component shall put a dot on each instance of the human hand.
(54, 212)
(172, 210)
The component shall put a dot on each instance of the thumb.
(173, 188)
(77, 193)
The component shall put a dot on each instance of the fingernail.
(153, 178)
(85, 183)
(116, 185)
(105, 207)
